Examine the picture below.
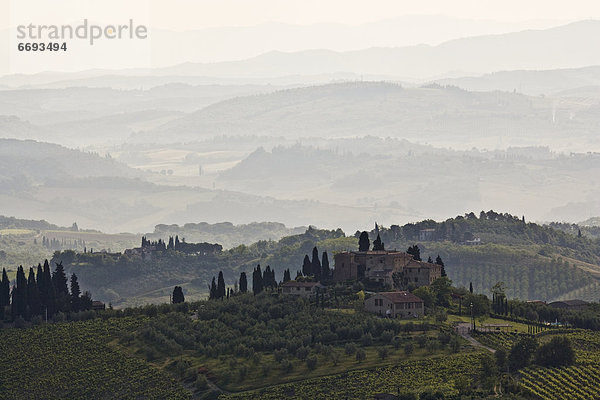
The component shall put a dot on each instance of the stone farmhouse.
(381, 265)
(395, 304)
(302, 289)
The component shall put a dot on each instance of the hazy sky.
(242, 12)
(195, 14)
(312, 15)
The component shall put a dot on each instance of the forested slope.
(534, 261)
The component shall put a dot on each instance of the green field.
(434, 373)
(74, 361)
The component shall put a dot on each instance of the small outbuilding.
(302, 289)
(98, 305)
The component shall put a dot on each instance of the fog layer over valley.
(332, 139)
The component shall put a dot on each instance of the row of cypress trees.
(42, 293)
(319, 269)
(217, 290)
(261, 280)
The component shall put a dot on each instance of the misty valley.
(383, 222)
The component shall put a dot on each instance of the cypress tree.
(42, 287)
(286, 275)
(221, 286)
(429, 260)
(267, 277)
(257, 280)
(325, 273)
(4, 293)
(59, 280)
(243, 283)
(178, 295)
(19, 295)
(306, 266)
(273, 281)
(363, 241)
(213, 290)
(75, 293)
(415, 252)
(471, 287)
(378, 245)
(438, 261)
(316, 264)
(39, 276)
(33, 294)
(13, 303)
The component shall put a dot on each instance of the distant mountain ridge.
(568, 46)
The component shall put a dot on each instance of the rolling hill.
(47, 181)
(442, 116)
(567, 46)
(559, 82)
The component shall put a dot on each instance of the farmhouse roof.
(571, 303)
(378, 252)
(302, 284)
(421, 264)
(401, 297)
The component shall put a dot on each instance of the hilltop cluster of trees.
(18, 223)
(557, 352)
(576, 230)
(364, 243)
(315, 267)
(55, 244)
(226, 233)
(491, 226)
(540, 312)
(217, 290)
(41, 294)
(261, 280)
(182, 246)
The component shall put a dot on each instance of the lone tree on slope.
(363, 241)
(178, 295)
